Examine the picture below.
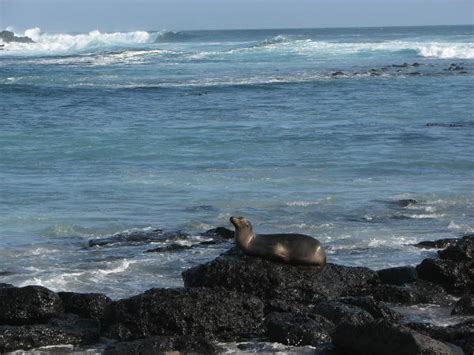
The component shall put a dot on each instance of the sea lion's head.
(241, 225)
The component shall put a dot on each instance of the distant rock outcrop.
(8, 36)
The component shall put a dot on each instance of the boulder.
(398, 275)
(28, 305)
(272, 280)
(376, 309)
(210, 313)
(465, 306)
(383, 337)
(338, 312)
(454, 276)
(461, 251)
(87, 305)
(299, 329)
(69, 330)
(461, 334)
(416, 292)
(8, 36)
(163, 344)
(437, 244)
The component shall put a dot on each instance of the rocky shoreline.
(236, 298)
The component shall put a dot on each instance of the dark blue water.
(310, 131)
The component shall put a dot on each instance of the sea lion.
(289, 248)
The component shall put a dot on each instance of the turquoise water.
(102, 133)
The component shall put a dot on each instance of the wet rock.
(406, 202)
(461, 334)
(6, 273)
(69, 330)
(169, 248)
(383, 337)
(87, 305)
(416, 64)
(272, 280)
(417, 292)
(138, 238)
(455, 67)
(404, 65)
(8, 36)
(338, 73)
(211, 313)
(5, 285)
(376, 309)
(163, 344)
(465, 306)
(28, 305)
(338, 312)
(455, 277)
(299, 330)
(398, 275)
(437, 244)
(462, 250)
(414, 73)
(220, 232)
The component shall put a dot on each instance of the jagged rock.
(398, 275)
(299, 329)
(455, 277)
(406, 202)
(163, 344)
(169, 248)
(383, 337)
(87, 305)
(8, 36)
(69, 330)
(338, 312)
(212, 313)
(220, 232)
(463, 250)
(376, 309)
(417, 292)
(465, 306)
(461, 334)
(437, 244)
(28, 305)
(138, 237)
(272, 280)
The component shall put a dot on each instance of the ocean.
(314, 131)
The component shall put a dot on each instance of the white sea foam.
(47, 44)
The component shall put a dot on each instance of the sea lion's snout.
(238, 222)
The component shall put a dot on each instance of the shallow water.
(107, 133)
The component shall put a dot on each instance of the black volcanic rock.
(455, 277)
(338, 312)
(220, 232)
(163, 344)
(28, 305)
(383, 337)
(461, 334)
(211, 313)
(437, 244)
(376, 309)
(398, 275)
(137, 238)
(169, 248)
(465, 306)
(462, 251)
(87, 305)
(8, 36)
(299, 329)
(68, 330)
(420, 291)
(406, 202)
(272, 280)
